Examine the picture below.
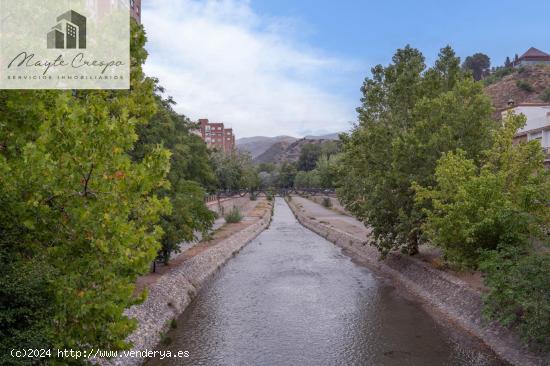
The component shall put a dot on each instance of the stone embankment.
(448, 297)
(173, 291)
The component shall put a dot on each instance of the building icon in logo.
(70, 32)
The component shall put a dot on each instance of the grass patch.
(234, 216)
(525, 86)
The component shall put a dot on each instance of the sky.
(295, 67)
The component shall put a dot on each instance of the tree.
(234, 171)
(308, 156)
(489, 215)
(327, 170)
(83, 214)
(502, 203)
(478, 64)
(190, 173)
(287, 172)
(507, 63)
(408, 119)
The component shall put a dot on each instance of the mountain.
(330, 136)
(286, 151)
(257, 145)
(524, 85)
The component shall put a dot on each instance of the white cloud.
(220, 60)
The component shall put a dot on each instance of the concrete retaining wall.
(169, 297)
(448, 296)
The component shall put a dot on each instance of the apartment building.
(135, 10)
(216, 136)
(537, 126)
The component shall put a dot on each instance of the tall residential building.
(135, 9)
(216, 136)
(102, 8)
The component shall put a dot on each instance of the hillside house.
(533, 56)
(537, 126)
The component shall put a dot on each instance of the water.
(292, 298)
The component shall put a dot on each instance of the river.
(292, 298)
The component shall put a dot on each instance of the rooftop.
(534, 53)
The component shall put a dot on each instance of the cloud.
(221, 60)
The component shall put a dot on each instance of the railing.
(267, 192)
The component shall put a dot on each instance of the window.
(536, 136)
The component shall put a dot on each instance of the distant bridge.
(266, 192)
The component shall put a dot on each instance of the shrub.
(233, 216)
(327, 202)
(173, 324)
(498, 75)
(545, 96)
(519, 293)
(525, 86)
(499, 204)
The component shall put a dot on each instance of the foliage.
(503, 203)
(479, 64)
(327, 170)
(234, 171)
(309, 155)
(83, 214)
(545, 96)
(286, 174)
(519, 292)
(525, 86)
(326, 202)
(309, 179)
(233, 216)
(498, 74)
(410, 117)
(190, 171)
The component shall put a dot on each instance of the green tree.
(190, 172)
(327, 170)
(309, 179)
(234, 171)
(502, 203)
(286, 173)
(479, 64)
(82, 214)
(507, 63)
(309, 155)
(410, 116)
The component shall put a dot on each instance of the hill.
(524, 85)
(257, 145)
(285, 151)
(271, 146)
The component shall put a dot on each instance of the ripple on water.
(291, 298)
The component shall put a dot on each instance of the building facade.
(537, 126)
(102, 8)
(216, 136)
(135, 10)
(533, 56)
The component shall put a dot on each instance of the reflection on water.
(292, 298)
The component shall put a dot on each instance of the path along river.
(292, 298)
